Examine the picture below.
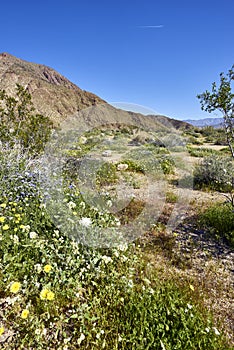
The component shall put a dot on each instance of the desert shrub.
(20, 124)
(149, 160)
(106, 174)
(200, 152)
(194, 140)
(219, 218)
(214, 173)
(171, 197)
(208, 131)
(133, 165)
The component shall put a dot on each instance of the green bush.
(220, 219)
(215, 173)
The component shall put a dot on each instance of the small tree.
(19, 122)
(222, 99)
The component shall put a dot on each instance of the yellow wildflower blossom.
(15, 287)
(44, 293)
(47, 268)
(3, 205)
(24, 314)
(2, 219)
(2, 330)
(50, 296)
(5, 227)
(191, 287)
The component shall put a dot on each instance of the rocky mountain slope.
(55, 96)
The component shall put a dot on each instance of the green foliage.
(19, 122)
(219, 218)
(215, 173)
(221, 98)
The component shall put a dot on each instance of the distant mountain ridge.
(215, 122)
(56, 97)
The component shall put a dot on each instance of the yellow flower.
(2, 219)
(50, 296)
(2, 330)
(3, 205)
(191, 287)
(47, 268)
(5, 227)
(44, 293)
(24, 314)
(15, 287)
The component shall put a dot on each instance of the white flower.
(83, 140)
(122, 166)
(189, 306)
(86, 222)
(207, 329)
(15, 239)
(33, 235)
(82, 205)
(116, 254)
(109, 203)
(123, 247)
(216, 331)
(117, 222)
(130, 283)
(71, 205)
(106, 259)
(38, 267)
(162, 345)
(82, 337)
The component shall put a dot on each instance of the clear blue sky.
(103, 47)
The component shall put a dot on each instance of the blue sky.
(106, 47)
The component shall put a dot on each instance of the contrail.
(158, 26)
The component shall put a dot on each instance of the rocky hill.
(55, 96)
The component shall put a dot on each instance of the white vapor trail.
(158, 26)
